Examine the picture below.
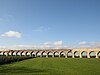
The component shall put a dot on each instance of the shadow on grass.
(22, 70)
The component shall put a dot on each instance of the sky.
(49, 23)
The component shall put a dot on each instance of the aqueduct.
(80, 53)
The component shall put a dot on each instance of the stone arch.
(98, 54)
(84, 54)
(33, 54)
(69, 54)
(22, 53)
(92, 54)
(62, 54)
(13, 53)
(56, 54)
(27, 53)
(50, 54)
(10, 53)
(76, 54)
(5, 53)
(19, 53)
(38, 54)
(44, 54)
(1, 53)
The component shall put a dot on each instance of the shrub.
(10, 59)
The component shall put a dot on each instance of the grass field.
(52, 66)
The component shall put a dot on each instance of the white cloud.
(2, 47)
(22, 47)
(18, 47)
(89, 44)
(12, 34)
(83, 42)
(51, 45)
(47, 43)
(44, 47)
(58, 47)
(58, 43)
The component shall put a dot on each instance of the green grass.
(52, 66)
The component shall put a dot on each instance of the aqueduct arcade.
(74, 53)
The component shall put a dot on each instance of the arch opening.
(10, 53)
(5, 53)
(38, 54)
(84, 54)
(56, 54)
(44, 54)
(69, 55)
(18, 53)
(76, 54)
(32, 54)
(27, 53)
(1, 54)
(92, 54)
(50, 54)
(22, 53)
(13, 53)
(99, 54)
(62, 54)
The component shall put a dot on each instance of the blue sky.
(39, 21)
